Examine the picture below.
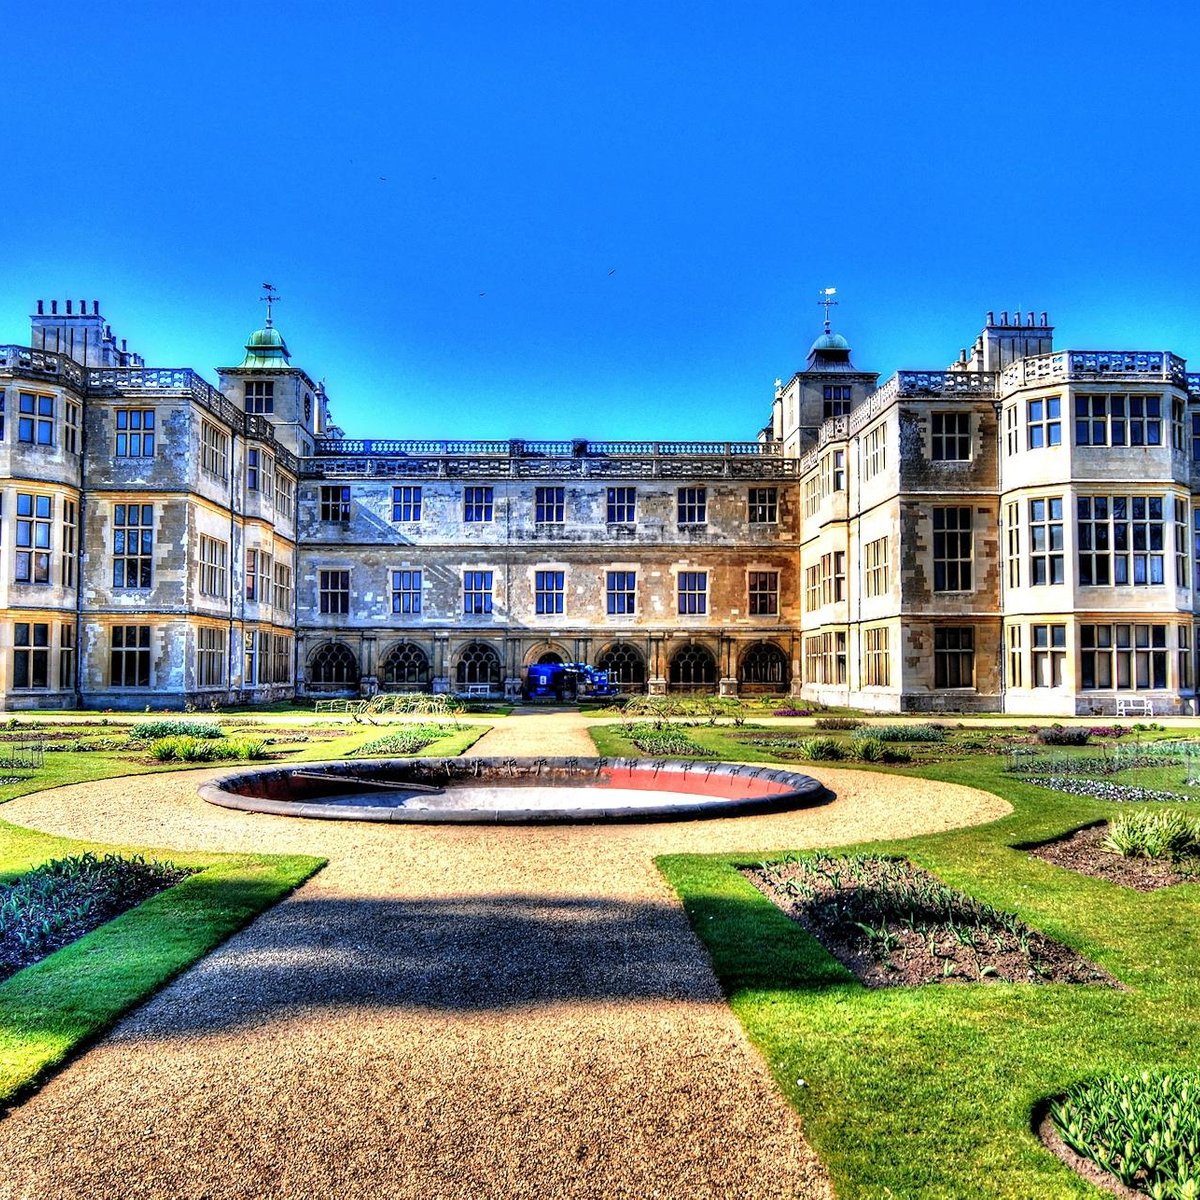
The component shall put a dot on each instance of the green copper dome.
(830, 341)
(266, 348)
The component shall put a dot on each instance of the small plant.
(791, 712)
(402, 742)
(148, 731)
(1144, 1129)
(191, 749)
(904, 733)
(837, 723)
(664, 741)
(869, 749)
(822, 749)
(1144, 833)
(1060, 735)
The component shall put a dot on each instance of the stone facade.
(1017, 532)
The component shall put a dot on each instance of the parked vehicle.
(566, 682)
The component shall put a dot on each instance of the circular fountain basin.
(513, 790)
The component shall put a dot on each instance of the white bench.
(1134, 706)
(479, 689)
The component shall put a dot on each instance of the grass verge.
(928, 1091)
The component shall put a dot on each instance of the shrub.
(401, 742)
(1060, 735)
(190, 749)
(665, 741)
(822, 749)
(1145, 1129)
(147, 731)
(791, 712)
(1142, 833)
(903, 733)
(837, 723)
(869, 749)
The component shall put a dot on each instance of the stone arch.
(333, 667)
(547, 652)
(693, 668)
(405, 667)
(478, 663)
(764, 667)
(626, 666)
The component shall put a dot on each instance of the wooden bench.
(1134, 706)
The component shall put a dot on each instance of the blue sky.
(548, 220)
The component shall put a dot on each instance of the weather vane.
(827, 302)
(270, 295)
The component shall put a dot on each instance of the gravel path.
(440, 1013)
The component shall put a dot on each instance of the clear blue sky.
(514, 219)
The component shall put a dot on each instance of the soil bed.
(1083, 852)
(895, 925)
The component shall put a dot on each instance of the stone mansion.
(1018, 532)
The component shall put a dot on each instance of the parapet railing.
(520, 448)
(42, 364)
(1158, 366)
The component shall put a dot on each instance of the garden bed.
(1083, 851)
(893, 924)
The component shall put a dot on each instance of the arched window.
(550, 658)
(405, 666)
(333, 666)
(693, 667)
(765, 668)
(625, 666)
(478, 663)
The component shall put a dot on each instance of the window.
(283, 591)
(3, 414)
(129, 663)
(133, 545)
(950, 439)
(764, 593)
(32, 563)
(1044, 424)
(763, 506)
(335, 503)
(625, 666)
(1181, 543)
(954, 656)
(693, 666)
(333, 666)
(1196, 548)
(406, 503)
(1184, 662)
(333, 592)
(833, 576)
(1015, 661)
(622, 506)
(693, 593)
(35, 424)
(1012, 543)
(406, 666)
(70, 533)
(258, 576)
(1049, 653)
(214, 450)
(692, 505)
(213, 557)
(135, 433)
(833, 472)
(477, 592)
(825, 658)
(1120, 540)
(812, 495)
(285, 495)
(281, 659)
(874, 452)
(548, 505)
(66, 656)
(478, 663)
(253, 470)
(548, 592)
(952, 549)
(1123, 657)
(260, 395)
(621, 591)
(1195, 439)
(71, 427)
(812, 587)
(477, 504)
(31, 655)
(1178, 441)
(210, 656)
(406, 592)
(765, 667)
(250, 675)
(836, 400)
(877, 670)
(876, 565)
(1012, 441)
(1118, 420)
(1046, 541)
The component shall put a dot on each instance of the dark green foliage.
(404, 741)
(903, 733)
(190, 749)
(1061, 735)
(663, 740)
(822, 749)
(148, 731)
(63, 899)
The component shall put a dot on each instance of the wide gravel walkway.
(439, 1013)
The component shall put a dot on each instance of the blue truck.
(566, 682)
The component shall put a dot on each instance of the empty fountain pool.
(513, 790)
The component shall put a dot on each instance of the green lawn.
(928, 1091)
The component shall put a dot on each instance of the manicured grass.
(928, 1091)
